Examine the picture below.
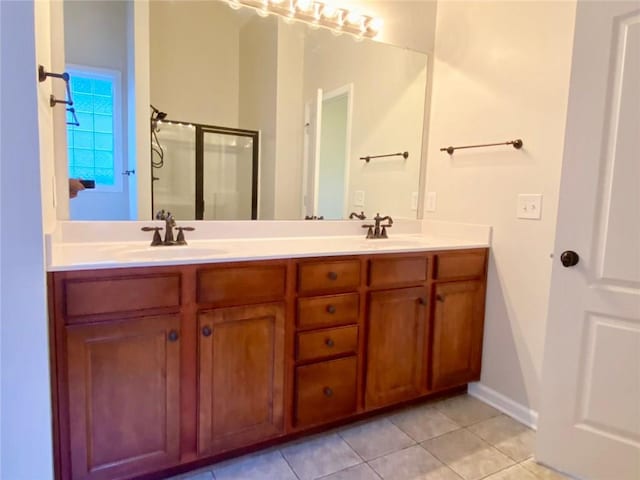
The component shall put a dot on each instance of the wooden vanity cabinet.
(116, 352)
(240, 376)
(397, 326)
(459, 292)
(327, 340)
(157, 368)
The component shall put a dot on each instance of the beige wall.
(502, 72)
(258, 83)
(289, 127)
(194, 61)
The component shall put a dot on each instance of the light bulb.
(354, 17)
(374, 25)
(329, 11)
(235, 4)
(304, 5)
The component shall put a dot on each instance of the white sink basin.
(168, 253)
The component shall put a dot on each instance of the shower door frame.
(253, 134)
(201, 129)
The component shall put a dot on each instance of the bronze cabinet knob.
(329, 343)
(206, 331)
(440, 298)
(422, 301)
(332, 275)
(331, 309)
(328, 392)
(173, 336)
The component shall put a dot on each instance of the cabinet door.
(124, 405)
(457, 333)
(396, 346)
(241, 376)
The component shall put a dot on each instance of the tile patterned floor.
(460, 438)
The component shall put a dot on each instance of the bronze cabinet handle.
(206, 331)
(329, 343)
(327, 392)
(173, 336)
(332, 275)
(331, 309)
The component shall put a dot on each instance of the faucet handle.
(180, 240)
(156, 235)
(369, 231)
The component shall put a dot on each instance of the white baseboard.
(504, 404)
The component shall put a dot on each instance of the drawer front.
(341, 275)
(327, 342)
(120, 295)
(241, 285)
(325, 391)
(460, 265)
(328, 310)
(395, 271)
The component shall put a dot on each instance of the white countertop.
(64, 254)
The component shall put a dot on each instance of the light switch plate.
(414, 200)
(430, 205)
(358, 198)
(530, 206)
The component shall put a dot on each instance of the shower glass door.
(227, 165)
(174, 170)
(201, 172)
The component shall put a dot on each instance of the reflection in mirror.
(203, 172)
(319, 102)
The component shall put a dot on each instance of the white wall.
(49, 42)
(25, 429)
(502, 72)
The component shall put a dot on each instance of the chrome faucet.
(378, 230)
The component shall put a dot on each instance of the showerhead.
(157, 114)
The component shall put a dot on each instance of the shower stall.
(203, 172)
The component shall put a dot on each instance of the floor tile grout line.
(288, 464)
(352, 449)
(496, 446)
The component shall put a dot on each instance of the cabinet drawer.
(120, 294)
(460, 265)
(328, 310)
(340, 275)
(325, 391)
(241, 285)
(327, 342)
(394, 271)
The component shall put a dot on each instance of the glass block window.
(93, 145)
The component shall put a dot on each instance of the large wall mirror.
(249, 117)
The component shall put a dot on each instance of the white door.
(589, 422)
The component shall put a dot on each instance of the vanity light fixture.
(316, 14)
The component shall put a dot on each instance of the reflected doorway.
(327, 153)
